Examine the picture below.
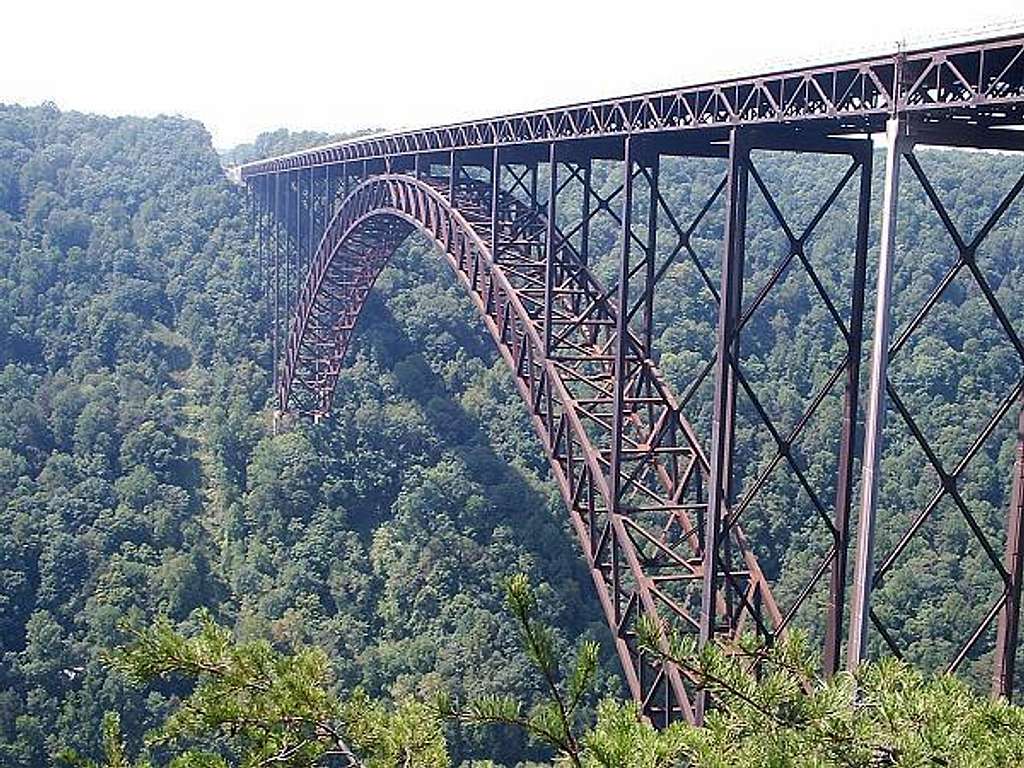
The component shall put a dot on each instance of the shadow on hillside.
(506, 488)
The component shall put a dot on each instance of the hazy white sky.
(245, 67)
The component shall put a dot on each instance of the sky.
(246, 67)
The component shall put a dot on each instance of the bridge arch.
(634, 523)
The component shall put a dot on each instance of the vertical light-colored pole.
(898, 144)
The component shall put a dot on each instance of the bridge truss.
(656, 482)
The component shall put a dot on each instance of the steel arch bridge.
(657, 501)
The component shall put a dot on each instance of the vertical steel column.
(297, 272)
(277, 277)
(257, 192)
(899, 143)
(288, 239)
(268, 289)
(300, 234)
(534, 204)
(452, 177)
(622, 327)
(329, 197)
(844, 481)
(585, 227)
(652, 248)
(324, 220)
(262, 203)
(1009, 616)
(723, 416)
(250, 206)
(495, 194)
(584, 249)
(309, 232)
(549, 248)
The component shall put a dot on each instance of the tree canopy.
(140, 476)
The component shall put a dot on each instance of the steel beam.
(847, 444)
(1007, 631)
(453, 175)
(277, 284)
(294, 244)
(647, 320)
(898, 143)
(724, 408)
(550, 271)
(585, 212)
(259, 190)
(622, 327)
(310, 245)
(978, 81)
(495, 195)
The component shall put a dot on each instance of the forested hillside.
(139, 475)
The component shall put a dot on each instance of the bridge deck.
(979, 83)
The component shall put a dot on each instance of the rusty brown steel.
(658, 510)
(635, 522)
(982, 81)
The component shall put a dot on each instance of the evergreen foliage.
(250, 705)
(770, 707)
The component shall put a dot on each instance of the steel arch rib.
(369, 225)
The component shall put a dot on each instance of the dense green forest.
(140, 476)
